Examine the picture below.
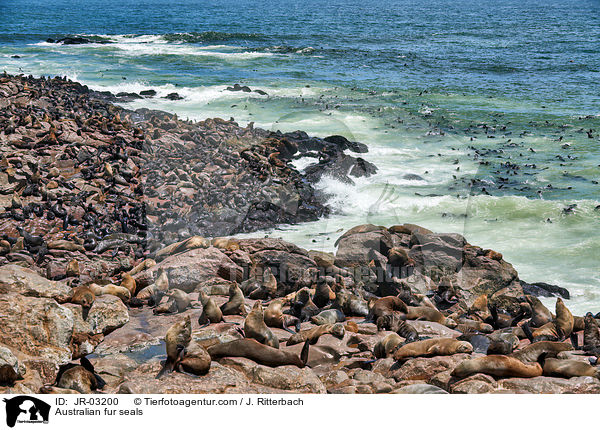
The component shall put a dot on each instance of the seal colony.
(117, 239)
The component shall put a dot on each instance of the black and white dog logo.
(26, 409)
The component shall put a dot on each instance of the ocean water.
(493, 105)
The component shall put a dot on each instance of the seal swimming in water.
(259, 353)
(255, 327)
(178, 336)
(431, 347)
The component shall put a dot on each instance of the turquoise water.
(431, 87)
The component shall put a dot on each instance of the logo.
(26, 409)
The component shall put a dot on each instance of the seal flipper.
(304, 353)
(167, 368)
(575, 341)
(527, 331)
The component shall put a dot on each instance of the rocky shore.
(119, 272)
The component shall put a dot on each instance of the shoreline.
(105, 244)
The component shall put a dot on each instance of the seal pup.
(312, 335)
(178, 336)
(431, 347)
(73, 269)
(394, 322)
(303, 307)
(211, 313)
(110, 289)
(274, 316)
(259, 353)
(501, 366)
(255, 327)
(480, 310)
(235, 304)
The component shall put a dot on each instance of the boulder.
(20, 280)
(548, 385)
(357, 249)
(422, 368)
(39, 327)
(187, 269)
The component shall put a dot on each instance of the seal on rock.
(178, 336)
(501, 366)
(255, 327)
(568, 368)
(313, 334)
(432, 347)
(259, 353)
(211, 313)
(387, 345)
(274, 316)
(235, 304)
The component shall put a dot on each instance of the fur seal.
(255, 327)
(394, 322)
(259, 353)
(111, 289)
(274, 316)
(144, 265)
(468, 324)
(85, 297)
(350, 304)
(211, 313)
(267, 288)
(73, 269)
(328, 316)
(387, 345)
(480, 309)
(193, 359)
(591, 333)
(235, 305)
(312, 335)
(128, 282)
(564, 320)
(431, 347)
(178, 336)
(8, 375)
(385, 306)
(540, 314)
(531, 353)
(425, 313)
(185, 245)
(323, 295)
(568, 368)
(178, 301)
(303, 307)
(499, 366)
(79, 377)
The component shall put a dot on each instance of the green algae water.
(482, 117)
